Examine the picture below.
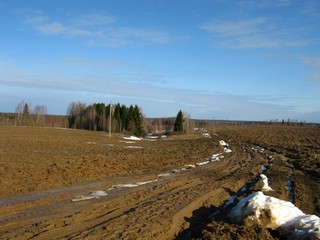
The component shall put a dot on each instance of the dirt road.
(43, 170)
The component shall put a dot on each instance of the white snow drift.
(274, 213)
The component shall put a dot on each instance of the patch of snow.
(144, 183)
(213, 158)
(206, 135)
(202, 163)
(163, 175)
(223, 143)
(216, 157)
(132, 138)
(82, 198)
(132, 147)
(95, 194)
(152, 137)
(264, 183)
(227, 150)
(99, 193)
(188, 166)
(277, 214)
(129, 185)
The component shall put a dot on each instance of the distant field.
(34, 159)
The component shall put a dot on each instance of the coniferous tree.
(96, 116)
(138, 119)
(99, 117)
(25, 115)
(123, 114)
(178, 124)
(117, 117)
(130, 123)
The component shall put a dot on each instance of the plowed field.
(50, 180)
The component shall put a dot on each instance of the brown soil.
(43, 169)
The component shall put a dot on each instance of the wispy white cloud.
(94, 64)
(312, 63)
(311, 9)
(98, 30)
(265, 3)
(90, 20)
(123, 36)
(44, 26)
(260, 32)
(235, 28)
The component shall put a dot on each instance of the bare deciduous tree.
(19, 112)
(75, 114)
(23, 112)
(40, 111)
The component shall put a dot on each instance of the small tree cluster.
(26, 117)
(97, 117)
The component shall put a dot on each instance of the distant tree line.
(291, 122)
(99, 117)
(159, 125)
(122, 118)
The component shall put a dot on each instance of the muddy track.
(157, 210)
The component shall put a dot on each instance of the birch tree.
(40, 111)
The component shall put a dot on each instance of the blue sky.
(221, 59)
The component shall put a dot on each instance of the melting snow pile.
(277, 214)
